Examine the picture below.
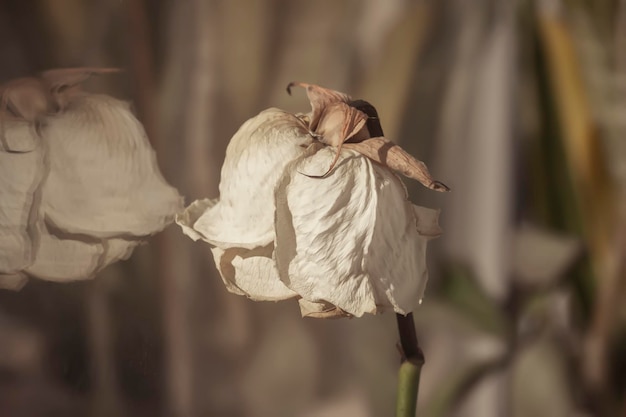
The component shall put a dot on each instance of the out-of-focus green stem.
(410, 369)
(408, 387)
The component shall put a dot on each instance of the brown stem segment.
(408, 338)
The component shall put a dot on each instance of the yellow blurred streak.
(595, 191)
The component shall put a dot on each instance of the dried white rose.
(304, 214)
(79, 182)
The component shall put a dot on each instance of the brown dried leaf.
(59, 79)
(393, 156)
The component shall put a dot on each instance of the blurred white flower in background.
(310, 207)
(79, 182)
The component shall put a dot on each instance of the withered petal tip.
(439, 186)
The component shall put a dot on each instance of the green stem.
(410, 369)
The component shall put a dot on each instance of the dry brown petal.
(336, 119)
(320, 98)
(62, 82)
(59, 79)
(34, 97)
(393, 156)
(339, 122)
(25, 98)
(333, 120)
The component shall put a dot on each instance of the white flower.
(79, 183)
(325, 224)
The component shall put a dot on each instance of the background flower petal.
(20, 175)
(60, 259)
(17, 135)
(104, 180)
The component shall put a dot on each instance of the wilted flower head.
(79, 183)
(310, 207)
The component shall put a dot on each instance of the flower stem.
(410, 369)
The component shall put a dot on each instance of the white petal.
(104, 180)
(255, 160)
(117, 249)
(63, 260)
(251, 273)
(350, 239)
(191, 214)
(20, 177)
(17, 135)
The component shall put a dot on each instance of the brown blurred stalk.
(107, 399)
(173, 267)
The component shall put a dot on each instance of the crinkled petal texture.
(249, 272)
(77, 193)
(255, 160)
(351, 239)
(240, 225)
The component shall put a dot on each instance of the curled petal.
(117, 249)
(340, 122)
(26, 98)
(352, 238)
(393, 156)
(190, 216)
(62, 78)
(63, 83)
(320, 310)
(255, 160)
(427, 221)
(320, 98)
(104, 180)
(251, 272)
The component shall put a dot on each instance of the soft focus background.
(518, 106)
